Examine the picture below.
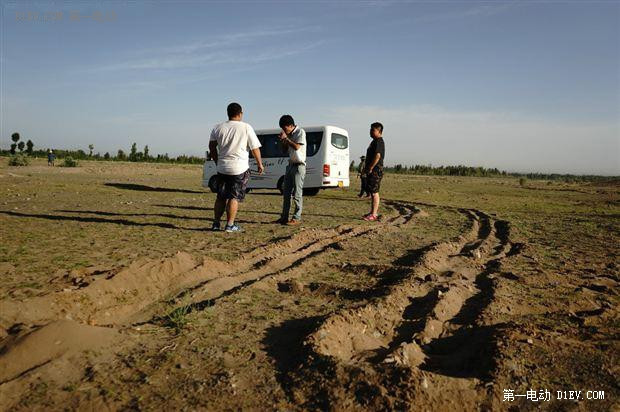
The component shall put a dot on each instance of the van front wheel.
(212, 184)
(311, 191)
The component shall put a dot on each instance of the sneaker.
(233, 228)
(293, 222)
(281, 221)
(371, 218)
(216, 226)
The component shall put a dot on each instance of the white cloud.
(235, 48)
(427, 134)
(453, 13)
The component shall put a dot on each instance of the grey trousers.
(293, 186)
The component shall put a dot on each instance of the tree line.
(132, 155)
(461, 170)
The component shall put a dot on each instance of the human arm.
(373, 162)
(287, 142)
(213, 150)
(259, 161)
(254, 146)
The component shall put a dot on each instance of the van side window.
(339, 141)
(313, 140)
(270, 145)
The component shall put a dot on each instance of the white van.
(327, 161)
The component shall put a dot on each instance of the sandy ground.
(116, 296)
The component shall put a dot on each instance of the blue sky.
(522, 86)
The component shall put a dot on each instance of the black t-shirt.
(376, 146)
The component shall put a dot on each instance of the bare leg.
(375, 203)
(231, 210)
(218, 209)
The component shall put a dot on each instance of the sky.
(518, 85)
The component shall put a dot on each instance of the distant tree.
(133, 155)
(29, 146)
(146, 152)
(121, 155)
(91, 147)
(106, 156)
(20, 146)
(15, 138)
(352, 166)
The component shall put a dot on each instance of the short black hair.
(234, 110)
(377, 125)
(287, 120)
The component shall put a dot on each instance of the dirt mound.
(56, 352)
(113, 300)
(32, 349)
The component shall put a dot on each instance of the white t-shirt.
(298, 135)
(234, 138)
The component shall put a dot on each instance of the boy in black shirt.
(374, 169)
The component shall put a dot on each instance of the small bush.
(522, 181)
(18, 160)
(70, 162)
(177, 319)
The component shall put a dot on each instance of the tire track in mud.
(136, 294)
(122, 297)
(429, 322)
(282, 265)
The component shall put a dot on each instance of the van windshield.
(270, 145)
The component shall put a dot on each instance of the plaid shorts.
(373, 180)
(232, 186)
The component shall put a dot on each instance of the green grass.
(177, 319)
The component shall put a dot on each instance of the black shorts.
(232, 186)
(373, 180)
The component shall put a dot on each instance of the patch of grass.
(177, 319)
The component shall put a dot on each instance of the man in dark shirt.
(374, 169)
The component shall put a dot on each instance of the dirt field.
(115, 295)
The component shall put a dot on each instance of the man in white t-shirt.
(293, 138)
(228, 146)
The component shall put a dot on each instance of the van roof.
(307, 129)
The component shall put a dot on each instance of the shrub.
(70, 162)
(522, 181)
(18, 160)
(177, 319)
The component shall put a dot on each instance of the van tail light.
(326, 170)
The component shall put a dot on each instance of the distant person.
(229, 145)
(373, 169)
(360, 174)
(293, 139)
(50, 157)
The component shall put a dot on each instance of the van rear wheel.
(311, 191)
(212, 184)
